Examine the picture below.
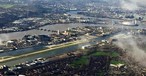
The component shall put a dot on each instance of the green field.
(100, 53)
(84, 60)
(6, 6)
(80, 62)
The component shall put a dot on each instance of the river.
(62, 27)
(19, 35)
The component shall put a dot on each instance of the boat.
(85, 46)
(130, 23)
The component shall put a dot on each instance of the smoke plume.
(133, 46)
(3, 37)
(132, 5)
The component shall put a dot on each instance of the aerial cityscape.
(72, 38)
